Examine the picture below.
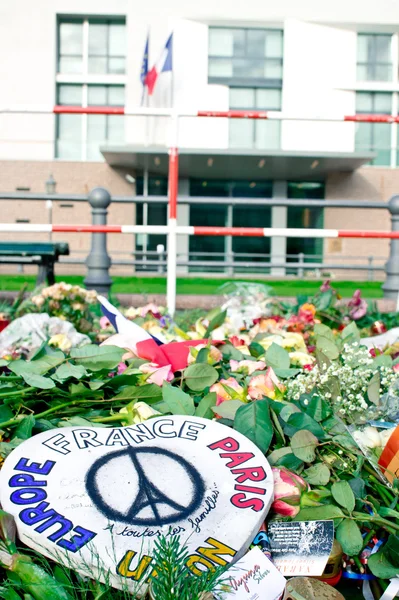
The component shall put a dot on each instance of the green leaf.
(324, 300)
(200, 376)
(5, 413)
(303, 444)
(277, 358)
(288, 410)
(97, 358)
(37, 367)
(38, 381)
(373, 390)
(256, 349)
(25, 427)
(358, 487)
(178, 401)
(274, 456)
(349, 536)
(316, 513)
(230, 352)
(318, 474)
(68, 370)
(317, 408)
(253, 421)
(391, 550)
(202, 356)
(350, 333)
(343, 495)
(287, 373)
(303, 421)
(149, 393)
(383, 360)
(327, 347)
(321, 330)
(290, 462)
(204, 407)
(228, 409)
(216, 322)
(380, 566)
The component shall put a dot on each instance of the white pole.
(172, 216)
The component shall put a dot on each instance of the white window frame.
(85, 79)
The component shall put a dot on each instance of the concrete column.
(278, 246)
(98, 261)
(183, 218)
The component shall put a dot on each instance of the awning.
(237, 163)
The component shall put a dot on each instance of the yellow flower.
(61, 341)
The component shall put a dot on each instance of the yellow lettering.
(216, 549)
(196, 559)
(123, 567)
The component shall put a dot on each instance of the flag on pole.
(165, 63)
(144, 67)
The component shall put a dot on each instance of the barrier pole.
(173, 184)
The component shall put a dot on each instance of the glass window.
(104, 52)
(70, 47)
(107, 47)
(374, 137)
(250, 133)
(244, 54)
(374, 57)
(97, 129)
(305, 217)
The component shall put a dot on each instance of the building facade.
(312, 61)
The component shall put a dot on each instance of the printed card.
(301, 548)
(254, 577)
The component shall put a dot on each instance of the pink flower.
(157, 374)
(395, 368)
(121, 368)
(223, 394)
(264, 385)
(325, 286)
(358, 306)
(150, 308)
(247, 366)
(288, 490)
(105, 323)
(236, 341)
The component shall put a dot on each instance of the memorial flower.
(267, 385)
(288, 491)
(214, 354)
(247, 366)
(227, 389)
(358, 306)
(307, 313)
(157, 374)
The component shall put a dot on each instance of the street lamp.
(51, 186)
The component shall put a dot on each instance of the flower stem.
(17, 393)
(110, 419)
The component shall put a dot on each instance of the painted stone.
(96, 499)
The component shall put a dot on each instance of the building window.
(375, 137)
(253, 133)
(238, 55)
(250, 62)
(91, 72)
(79, 137)
(92, 46)
(374, 57)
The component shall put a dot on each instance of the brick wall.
(71, 178)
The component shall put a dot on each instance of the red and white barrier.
(198, 230)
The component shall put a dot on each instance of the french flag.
(164, 64)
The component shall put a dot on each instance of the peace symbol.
(148, 495)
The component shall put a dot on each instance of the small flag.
(165, 63)
(122, 325)
(144, 64)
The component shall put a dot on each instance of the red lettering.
(228, 443)
(252, 474)
(252, 490)
(237, 459)
(240, 501)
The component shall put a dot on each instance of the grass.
(201, 285)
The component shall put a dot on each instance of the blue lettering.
(35, 495)
(77, 541)
(45, 469)
(25, 480)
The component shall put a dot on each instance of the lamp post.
(51, 186)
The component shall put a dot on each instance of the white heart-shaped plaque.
(95, 499)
